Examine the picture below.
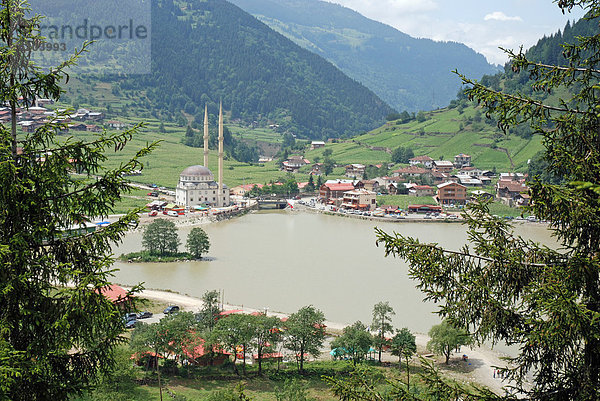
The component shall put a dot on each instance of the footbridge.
(267, 202)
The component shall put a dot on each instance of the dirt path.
(478, 369)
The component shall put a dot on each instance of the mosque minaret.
(197, 186)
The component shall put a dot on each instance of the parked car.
(153, 193)
(129, 317)
(144, 315)
(171, 309)
(172, 213)
(153, 213)
(130, 324)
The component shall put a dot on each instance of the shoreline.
(478, 369)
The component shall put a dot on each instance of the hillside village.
(448, 184)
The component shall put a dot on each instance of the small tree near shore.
(445, 338)
(404, 345)
(382, 318)
(197, 242)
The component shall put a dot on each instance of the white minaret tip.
(220, 201)
(205, 136)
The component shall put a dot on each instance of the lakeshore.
(479, 369)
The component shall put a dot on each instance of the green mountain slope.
(462, 127)
(444, 134)
(408, 73)
(206, 51)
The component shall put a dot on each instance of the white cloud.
(500, 16)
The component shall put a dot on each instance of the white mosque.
(197, 185)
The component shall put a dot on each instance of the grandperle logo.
(90, 31)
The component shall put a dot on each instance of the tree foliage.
(402, 154)
(355, 342)
(305, 333)
(160, 237)
(197, 242)
(382, 324)
(266, 334)
(232, 332)
(505, 288)
(57, 331)
(209, 314)
(404, 344)
(445, 338)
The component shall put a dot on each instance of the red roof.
(198, 351)
(340, 187)
(229, 312)
(114, 293)
(411, 170)
(512, 186)
(424, 158)
(248, 187)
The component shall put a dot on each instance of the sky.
(483, 25)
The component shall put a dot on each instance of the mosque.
(197, 185)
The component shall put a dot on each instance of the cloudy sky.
(483, 25)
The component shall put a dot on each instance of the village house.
(197, 354)
(411, 171)
(78, 127)
(396, 188)
(371, 185)
(359, 199)
(294, 163)
(242, 190)
(117, 295)
(333, 192)
(480, 194)
(513, 192)
(424, 160)
(438, 177)
(390, 209)
(386, 181)
(93, 128)
(471, 171)
(355, 171)
(452, 193)
(317, 169)
(421, 190)
(316, 145)
(114, 124)
(469, 181)
(443, 166)
(461, 160)
(424, 209)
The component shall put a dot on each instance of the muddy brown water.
(283, 260)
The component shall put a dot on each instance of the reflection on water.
(283, 260)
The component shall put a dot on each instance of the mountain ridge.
(357, 45)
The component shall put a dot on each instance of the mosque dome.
(196, 171)
(196, 174)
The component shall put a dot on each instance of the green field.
(402, 201)
(439, 137)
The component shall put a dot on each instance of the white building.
(197, 186)
(359, 199)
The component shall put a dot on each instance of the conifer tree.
(57, 331)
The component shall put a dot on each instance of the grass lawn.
(403, 201)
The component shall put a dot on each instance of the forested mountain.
(211, 50)
(548, 50)
(408, 73)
